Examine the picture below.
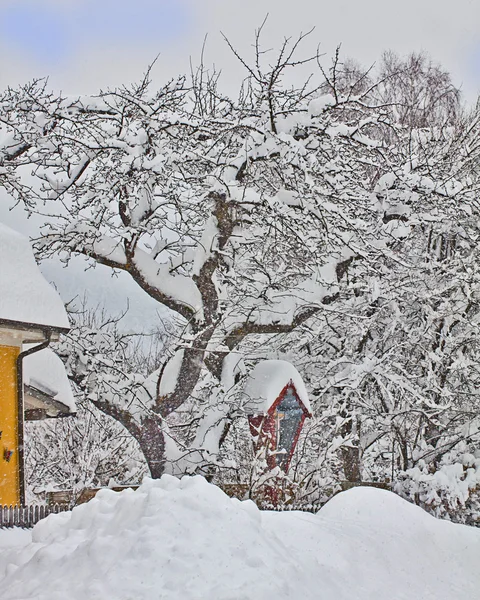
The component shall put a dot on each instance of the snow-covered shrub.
(85, 451)
(451, 490)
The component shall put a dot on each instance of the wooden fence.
(26, 516)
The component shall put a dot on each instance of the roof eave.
(37, 327)
(49, 403)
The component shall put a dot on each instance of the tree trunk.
(351, 463)
(151, 439)
(351, 455)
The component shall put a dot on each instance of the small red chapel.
(277, 405)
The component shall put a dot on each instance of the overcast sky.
(85, 45)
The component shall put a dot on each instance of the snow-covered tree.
(89, 450)
(396, 379)
(286, 218)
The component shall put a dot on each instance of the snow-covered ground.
(185, 540)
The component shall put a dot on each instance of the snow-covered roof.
(25, 295)
(265, 383)
(45, 372)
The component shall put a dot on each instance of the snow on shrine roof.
(45, 371)
(265, 383)
(25, 295)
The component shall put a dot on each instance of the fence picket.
(310, 508)
(26, 516)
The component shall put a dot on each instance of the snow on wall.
(24, 293)
(267, 380)
(45, 371)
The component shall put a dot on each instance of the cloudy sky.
(85, 45)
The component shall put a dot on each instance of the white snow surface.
(206, 245)
(169, 380)
(177, 287)
(186, 540)
(24, 293)
(45, 371)
(266, 381)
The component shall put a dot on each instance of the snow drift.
(184, 540)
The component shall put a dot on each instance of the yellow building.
(31, 316)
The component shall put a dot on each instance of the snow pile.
(45, 371)
(24, 293)
(267, 380)
(170, 539)
(184, 540)
(370, 544)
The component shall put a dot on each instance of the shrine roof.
(266, 382)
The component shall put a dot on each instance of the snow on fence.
(26, 516)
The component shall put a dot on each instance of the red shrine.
(277, 407)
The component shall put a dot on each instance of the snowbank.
(267, 380)
(186, 540)
(24, 293)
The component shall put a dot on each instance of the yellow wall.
(9, 471)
